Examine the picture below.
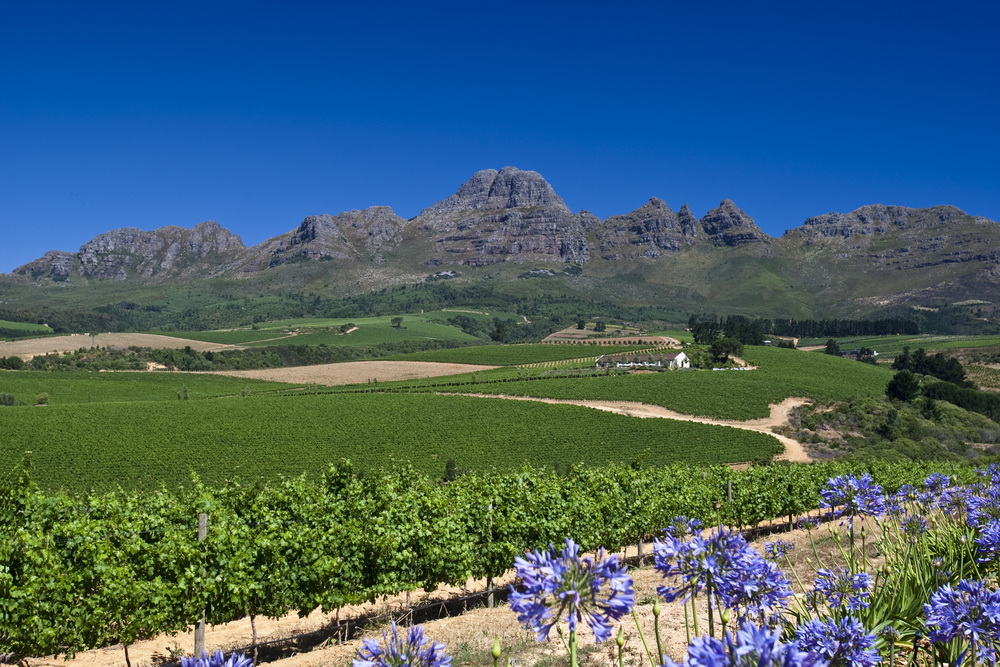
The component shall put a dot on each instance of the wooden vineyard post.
(199, 630)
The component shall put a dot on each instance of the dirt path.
(794, 451)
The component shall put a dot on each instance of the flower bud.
(496, 648)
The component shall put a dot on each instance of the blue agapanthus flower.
(751, 647)
(843, 643)
(681, 526)
(842, 588)
(413, 650)
(778, 549)
(561, 586)
(970, 612)
(988, 542)
(734, 574)
(854, 496)
(218, 659)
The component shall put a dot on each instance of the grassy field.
(513, 355)
(740, 395)
(27, 327)
(142, 445)
(71, 388)
(370, 331)
(890, 346)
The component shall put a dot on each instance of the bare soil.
(26, 349)
(355, 372)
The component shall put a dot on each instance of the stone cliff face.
(880, 219)
(649, 231)
(728, 225)
(503, 216)
(358, 235)
(128, 252)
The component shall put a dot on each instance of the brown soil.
(355, 372)
(26, 349)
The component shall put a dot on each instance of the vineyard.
(79, 572)
(514, 355)
(741, 396)
(72, 388)
(99, 446)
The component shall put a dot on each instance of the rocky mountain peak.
(729, 225)
(491, 190)
(649, 231)
(879, 218)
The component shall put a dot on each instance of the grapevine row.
(83, 571)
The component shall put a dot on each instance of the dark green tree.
(724, 348)
(397, 322)
(833, 347)
(866, 355)
(904, 386)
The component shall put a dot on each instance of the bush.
(42, 399)
(7, 399)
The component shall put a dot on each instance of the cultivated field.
(28, 348)
(354, 372)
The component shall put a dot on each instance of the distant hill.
(510, 224)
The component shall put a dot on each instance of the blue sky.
(256, 114)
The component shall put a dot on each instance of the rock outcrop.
(881, 219)
(357, 235)
(121, 254)
(649, 231)
(728, 225)
(503, 216)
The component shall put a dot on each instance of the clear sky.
(256, 114)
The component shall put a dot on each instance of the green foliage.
(904, 386)
(69, 388)
(81, 572)
(7, 399)
(734, 395)
(723, 348)
(102, 445)
(876, 428)
(514, 355)
(832, 347)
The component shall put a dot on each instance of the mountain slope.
(498, 223)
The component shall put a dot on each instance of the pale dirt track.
(354, 372)
(794, 451)
(26, 349)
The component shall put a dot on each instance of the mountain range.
(510, 224)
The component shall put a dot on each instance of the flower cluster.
(968, 611)
(730, 570)
(841, 588)
(778, 549)
(752, 646)
(414, 650)
(843, 642)
(562, 586)
(855, 496)
(217, 659)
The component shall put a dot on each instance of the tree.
(867, 355)
(580, 324)
(833, 347)
(723, 348)
(904, 386)
(397, 322)
(600, 326)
